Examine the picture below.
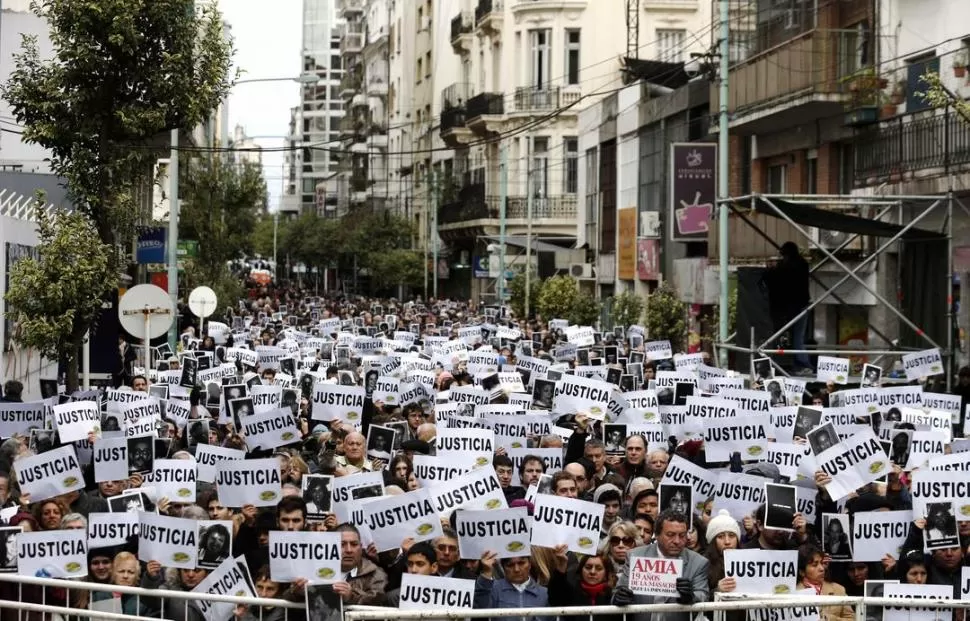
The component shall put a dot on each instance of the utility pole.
(276, 226)
(528, 223)
(722, 178)
(173, 233)
(434, 230)
(503, 195)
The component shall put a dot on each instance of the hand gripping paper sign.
(655, 576)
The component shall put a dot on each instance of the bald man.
(354, 459)
(582, 483)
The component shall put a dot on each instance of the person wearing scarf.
(589, 584)
(811, 575)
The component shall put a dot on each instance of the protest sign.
(762, 572)
(249, 482)
(174, 479)
(938, 486)
(431, 469)
(419, 592)
(907, 611)
(835, 370)
(466, 448)
(786, 456)
(111, 459)
(506, 532)
(475, 490)
(58, 553)
(658, 350)
(552, 458)
(229, 578)
(314, 556)
(955, 462)
(806, 613)
(923, 446)
(111, 529)
(266, 398)
(20, 418)
(386, 390)
(878, 533)
(335, 402)
(50, 474)
(920, 364)
(575, 523)
(208, 456)
(853, 463)
(270, 429)
(75, 420)
(345, 490)
(738, 493)
(741, 434)
(178, 411)
(655, 576)
(392, 519)
(144, 409)
(578, 394)
(170, 541)
(682, 472)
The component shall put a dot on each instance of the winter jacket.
(695, 569)
(368, 587)
(501, 594)
(832, 613)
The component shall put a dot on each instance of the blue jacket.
(501, 594)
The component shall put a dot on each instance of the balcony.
(454, 114)
(352, 39)
(376, 86)
(489, 17)
(472, 212)
(484, 111)
(793, 82)
(349, 8)
(545, 207)
(350, 84)
(671, 5)
(906, 147)
(532, 99)
(462, 26)
(469, 205)
(520, 7)
(377, 137)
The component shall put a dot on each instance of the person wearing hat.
(611, 498)
(723, 533)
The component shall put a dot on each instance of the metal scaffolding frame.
(883, 205)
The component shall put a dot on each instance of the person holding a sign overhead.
(670, 543)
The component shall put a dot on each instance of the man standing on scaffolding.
(787, 283)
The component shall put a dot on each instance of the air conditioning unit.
(581, 270)
(831, 240)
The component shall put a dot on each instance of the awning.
(520, 241)
(809, 215)
(671, 75)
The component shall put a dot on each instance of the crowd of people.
(633, 473)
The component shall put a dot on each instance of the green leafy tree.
(517, 293)
(313, 240)
(399, 266)
(627, 309)
(55, 299)
(667, 317)
(938, 96)
(561, 298)
(261, 238)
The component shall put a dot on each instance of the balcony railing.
(485, 8)
(452, 117)
(351, 6)
(485, 104)
(469, 205)
(536, 99)
(463, 23)
(562, 206)
(906, 145)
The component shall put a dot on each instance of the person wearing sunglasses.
(620, 539)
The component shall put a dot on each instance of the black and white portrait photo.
(823, 438)
(682, 390)
(836, 541)
(241, 409)
(197, 432)
(130, 503)
(231, 392)
(316, 494)
(9, 536)
(288, 366)
(367, 491)
(543, 391)
(141, 454)
(763, 370)
(614, 437)
(806, 419)
(775, 387)
(159, 391)
(290, 398)
(215, 543)
(110, 423)
(42, 440)
(544, 485)
(677, 498)
(871, 376)
(322, 604)
(380, 443)
(190, 370)
(899, 446)
(941, 527)
(780, 506)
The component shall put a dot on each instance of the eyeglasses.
(627, 541)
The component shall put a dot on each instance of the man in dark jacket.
(12, 392)
(788, 296)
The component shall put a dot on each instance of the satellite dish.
(146, 312)
(202, 302)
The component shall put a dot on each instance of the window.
(540, 167)
(427, 65)
(855, 50)
(670, 45)
(811, 172)
(539, 68)
(777, 178)
(916, 68)
(420, 71)
(592, 196)
(571, 178)
(572, 56)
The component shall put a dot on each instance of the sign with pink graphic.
(693, 189)
(648, 259)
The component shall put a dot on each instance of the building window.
(777, 179)
(420, 71)
(670, 45)
(540, 167)
(592, 196)
(571, 178)
(539, 68)
(916, 68)
(572, 56)
(855, 49)
(811, 172)
(427, 65)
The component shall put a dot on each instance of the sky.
(267, 38)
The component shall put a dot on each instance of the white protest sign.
(111, 529)
(50, 474)
(20, 418)
(295, 555)
(762, 572)
(110, 459)
(170, 541)
(581, 336)
(923, 446)
(335, 402)
(659, 350)
(506, 532)
(344, 506)
(420, 592)
(76, 419)
(174, 479)
(739, 493)
(178, 411)
(835, 370)
(806, 613)
(575, 523)
(940, 422)
(910, 592)
(552, 458)
(208, 456)
(227, 579)
(878, 533)
(392, 519)
(249, 482)
(786, 456)
(475, 490)
(747, 435)
(265, 398)
(115, 399)
(655, 576)
(145, 409)
(467, 448)
(682, 472)
(387, 389)
(937, 486)
(270, 429)
(579, 394)
(431, 469)
(920, 364)
(59, 553)
(955, 462)
(853, 463)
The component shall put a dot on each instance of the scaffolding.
(885, 221)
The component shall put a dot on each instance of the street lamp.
(173, 191)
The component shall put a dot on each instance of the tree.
(667, 317)
(627, 309)
(938, 96)
(517, 293)
(398, 266)
(561, 298)
(56, 298)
